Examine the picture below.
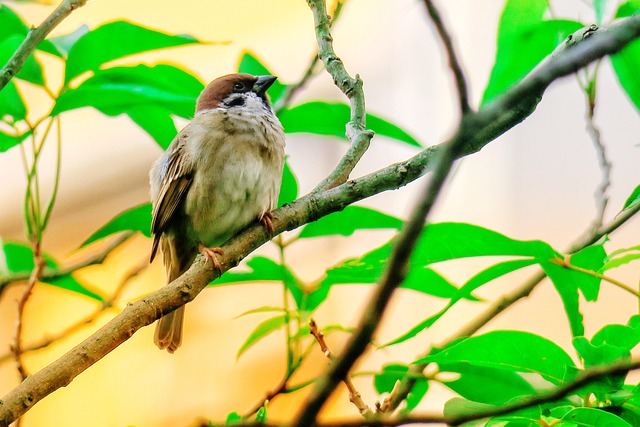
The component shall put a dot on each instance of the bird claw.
(210, 253)
(266, 219)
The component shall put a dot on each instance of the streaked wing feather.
(172, 191)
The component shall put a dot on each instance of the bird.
(220, 173)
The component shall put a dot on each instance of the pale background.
(535, 182)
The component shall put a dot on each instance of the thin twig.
(488, 123)
(106, 304)
(277, 390)
(34, 37)
(359, 138)
(354, 395)
(601, 196)
(565, 263)
(312, 69)
(454, 63)
(16, 348)
(54, 273)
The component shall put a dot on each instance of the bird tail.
(177, 259)
(168, 334)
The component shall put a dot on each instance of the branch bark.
(359, 138)
(34, 37)
(484, 126)
(584, 378)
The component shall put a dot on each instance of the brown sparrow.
(220, 173)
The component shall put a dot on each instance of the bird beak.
(263, 83)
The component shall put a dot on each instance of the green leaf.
(65, 42)
(625, 64)
(597, 355)
(624, 337)
(289, 187)
(264, 309)
(250, 64)
(12, 25)
(265, 270)
(325, 118)
(601, 354)
(420, 279)
(429, 282)
(447, 241)
(568, 295)
(11, 103)
(261, 415)
(134, 219)
(567, 282)
(437, 243)
(7, 141)
(458, 407)
(521, 31)
(116, 40)
(31, 71)
(233, 418)
(393, 372)
(347, 221)
(464, 292)
(598, 8)
(19, 259)
(633, 199)
(514, 351)
(591, 417)
(621, 257)
(262, 330)
(262, 270)
(116, 90)
(156, 121)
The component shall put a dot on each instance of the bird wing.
(174, 186)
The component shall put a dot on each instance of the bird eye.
(238, 86)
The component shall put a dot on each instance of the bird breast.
(240, 157)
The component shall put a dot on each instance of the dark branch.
(454, 63)
(395, 274)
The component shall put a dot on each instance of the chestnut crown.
(232, 90)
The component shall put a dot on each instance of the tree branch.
(106, 304)
(586, 377)
(359, 138)
(454, 63)
(490, 122)
(54, 273)
(312, 68)
(354, 395)
(34, 37)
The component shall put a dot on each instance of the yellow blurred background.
(536, 182)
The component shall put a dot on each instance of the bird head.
(236, 91)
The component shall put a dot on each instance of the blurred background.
(535, 182)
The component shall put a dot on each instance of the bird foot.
(266, 219)
(210, 253)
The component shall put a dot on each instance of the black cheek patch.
(236, 102)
